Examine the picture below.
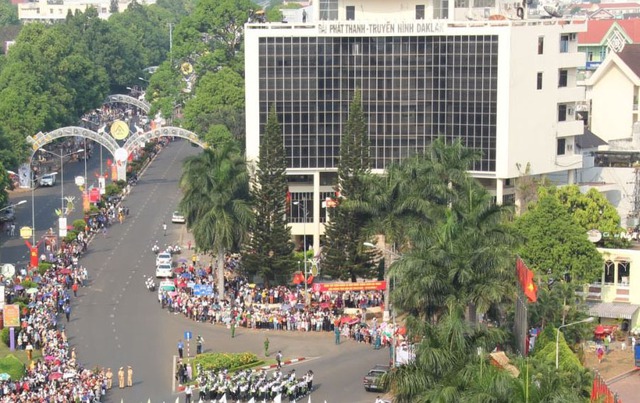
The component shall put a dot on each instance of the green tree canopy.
(555, 243)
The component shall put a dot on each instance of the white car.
(178, 218)
(48, 180)
(164, 270)
(164, 258)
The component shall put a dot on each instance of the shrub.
(5, 336)
(79, 225)
(71, 236)
(28, 284)
(11, 364)
(111, 189)
(43, 267)
(229, 361)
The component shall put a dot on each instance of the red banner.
(364, 286)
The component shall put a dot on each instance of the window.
(564, 43)
(562, 113)
(351, 13)
(540, 45)
(609, 272)
(624, 268)
(563, 76)
(420, 12)
(561, 146)
(539, 81)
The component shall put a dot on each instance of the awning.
(613, 310)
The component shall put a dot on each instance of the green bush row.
(229, 361)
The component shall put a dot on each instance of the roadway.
(116, 322)
(46, 201)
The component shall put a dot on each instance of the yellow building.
(615, 299)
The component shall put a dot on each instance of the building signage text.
(373, 28)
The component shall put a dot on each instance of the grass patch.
(14, 362)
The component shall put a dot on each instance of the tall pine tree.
(344, 255)
(270, 251)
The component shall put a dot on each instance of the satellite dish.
(8, 270)
(594, 235)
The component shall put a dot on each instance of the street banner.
(202, 290)
(1, 297)
(62, 226)
(361, 286)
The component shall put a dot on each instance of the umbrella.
(186, 274)
(65, 271)
(49, 358)
(55, 375)
(31, 290)
(285, 307)
(4, 376)
(599, 329)
(18, 287)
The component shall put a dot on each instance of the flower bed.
(229, 361)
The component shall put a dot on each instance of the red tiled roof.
(597, 29)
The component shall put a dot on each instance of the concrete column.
(499, 191)
(316, 212)
(571, 176)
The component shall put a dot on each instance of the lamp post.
(387, 298)
(589, 319)
(304, 245)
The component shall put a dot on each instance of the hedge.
(229, 361)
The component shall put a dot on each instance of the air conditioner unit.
(572, 36)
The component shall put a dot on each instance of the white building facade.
(57, 10)
(504, 87)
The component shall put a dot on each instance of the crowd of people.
(56, 375)
(253, 384)
(275, 308)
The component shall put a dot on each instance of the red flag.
(310, 279)
(298, 278)
(525, 278)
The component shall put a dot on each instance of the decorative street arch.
(139, 139)
(120, 154)
(126, 99)
(42, 139)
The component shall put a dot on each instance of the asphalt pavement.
(116, 322)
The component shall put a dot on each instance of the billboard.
(11, 315)
(363, 286)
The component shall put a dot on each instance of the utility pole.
(171, 43)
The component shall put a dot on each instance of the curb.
(285, 362)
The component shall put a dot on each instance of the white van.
(165, 285)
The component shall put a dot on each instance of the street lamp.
(387, 297)
(589, 319)
(304, 246)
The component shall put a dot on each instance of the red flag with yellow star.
(525, 277)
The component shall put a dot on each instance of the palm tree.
(215, 186)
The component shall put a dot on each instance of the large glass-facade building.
(414, 89)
